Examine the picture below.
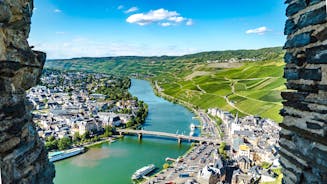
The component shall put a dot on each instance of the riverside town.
(163, 92)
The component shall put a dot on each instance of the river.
(115, 163)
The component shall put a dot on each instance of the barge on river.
(60, 155)
(139, 174)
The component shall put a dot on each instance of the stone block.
(314, 126)
(300, 40)
(5, 13)
(317, 55)
(295, 7)
(312, 88)
(314, 17)
(321, 35)
(289, 58)
(313, 137)
(290, 27)
(291, 74)
(294, 96)
(302, 73)
(310, 74)
(312, 2)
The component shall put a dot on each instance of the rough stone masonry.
(23, 158)
(304, 129)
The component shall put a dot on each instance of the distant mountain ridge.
(268, 52)
(153, 65)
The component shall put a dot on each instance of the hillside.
(247, 81)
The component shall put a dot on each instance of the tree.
(221, 150)
(265, 165)
(95, 138)
(108, 131)
(86, 135)
(165, 166)
(51, 138)
(51, 145)
(129, 123)
(64, 143)
(76, 137)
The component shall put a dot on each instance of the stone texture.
(295, 7)
(290, 27)
(300, 40)
(317, 55)
(314, 17)
(23, 158)
(304, 129)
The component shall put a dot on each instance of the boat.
(192, 133)
(143, 171)
(60, 155)
(192, 126)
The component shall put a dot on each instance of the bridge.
(179, 137)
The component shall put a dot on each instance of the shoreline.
(108, 140)
(158, 91)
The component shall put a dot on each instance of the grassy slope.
(253, 88)
(257, 88)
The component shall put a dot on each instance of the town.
(77, 108)
(74, 109)
(248, 153)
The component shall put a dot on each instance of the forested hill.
(126, 65)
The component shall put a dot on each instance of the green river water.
(115, 163)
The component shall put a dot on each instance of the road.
(209, 127)
(189, 166)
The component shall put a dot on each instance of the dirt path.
(233, 82)
(203, 91)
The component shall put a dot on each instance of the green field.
(253, 88)
(249, 87)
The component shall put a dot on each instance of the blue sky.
(96, 28)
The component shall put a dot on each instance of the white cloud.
(189, 22)
(132, 9)
(165, 24)
(84, 47)
(176, 19)
(260, 30)
(57, 11)
(120, 7)
(161, 16)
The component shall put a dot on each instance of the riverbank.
(204, 118)
(109, 140)
(158, 91)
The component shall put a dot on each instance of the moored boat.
(143, 171)
(60, 155)
(192, 127)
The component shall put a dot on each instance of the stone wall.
(23, 158)
(304, 129)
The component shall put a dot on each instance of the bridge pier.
(120, 133)
(140, 136)
(179, 140)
